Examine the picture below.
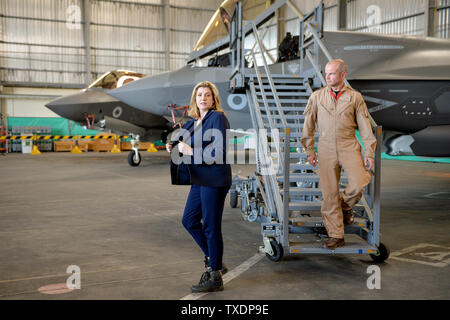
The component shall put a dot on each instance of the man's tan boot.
(334, 243)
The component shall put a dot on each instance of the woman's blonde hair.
(194, 111)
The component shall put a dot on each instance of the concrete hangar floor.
(121, 227)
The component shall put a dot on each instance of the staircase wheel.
(383, 253)
(233, 199)
(277, 251)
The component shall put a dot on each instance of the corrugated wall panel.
(201, 4)
(390, 17)
(126, 36)
(136, 1)
(443, 30)
(186, 27)
(330, 15)
(188, 20)
(38, 45)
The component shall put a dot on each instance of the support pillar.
(87, 40)
(167, 34)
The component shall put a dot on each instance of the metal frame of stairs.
(284, 194)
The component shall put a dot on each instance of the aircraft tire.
(132, 161)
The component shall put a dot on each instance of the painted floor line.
(236, 272)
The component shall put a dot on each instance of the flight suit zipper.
(334, 121)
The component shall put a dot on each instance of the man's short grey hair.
(342, 64)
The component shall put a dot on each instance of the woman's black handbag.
(180, 173)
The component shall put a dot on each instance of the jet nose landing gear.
(134, 157)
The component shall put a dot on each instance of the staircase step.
(310, 244)
(292, 155)
(310, 206)
(279, 87)
(301, 166)
(289, 80)
(296, 191)
(292, 108)
(281, 75)
(292, 135)
(305, 206)
(286, 116)
(285, 93)
(291, 144)
(301, 177)
(297, 145)
(307, 177)
(312, 222)
(284, 101)
(297, 155)
(290, 125)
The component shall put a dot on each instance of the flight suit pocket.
(348, 116)
(324, 109)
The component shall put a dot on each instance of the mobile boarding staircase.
(284, 195)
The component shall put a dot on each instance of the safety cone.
(76, 148)
(115, 148)
(35, 151)
(152, 148)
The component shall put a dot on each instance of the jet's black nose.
(70, 107)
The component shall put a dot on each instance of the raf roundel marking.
(237, 101)
(117, 112)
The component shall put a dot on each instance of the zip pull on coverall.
(337, 120)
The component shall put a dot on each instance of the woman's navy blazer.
(208, 141)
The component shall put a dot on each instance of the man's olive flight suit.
(337, 119)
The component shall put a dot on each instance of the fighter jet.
(95, 109)
(405, 81)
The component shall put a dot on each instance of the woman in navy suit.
(204, 145)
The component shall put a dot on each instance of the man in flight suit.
(339, 111)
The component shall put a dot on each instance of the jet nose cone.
(57, 105)
(67, 106)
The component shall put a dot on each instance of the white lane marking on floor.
(230, 275)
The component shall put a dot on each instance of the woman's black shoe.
(209, 282)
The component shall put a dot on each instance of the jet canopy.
(116, 79)
(219, 24)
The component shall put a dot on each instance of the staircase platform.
(306, 177)
(311, 244)
(317, 222)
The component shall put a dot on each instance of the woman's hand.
(185, 149)
(169, 146)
